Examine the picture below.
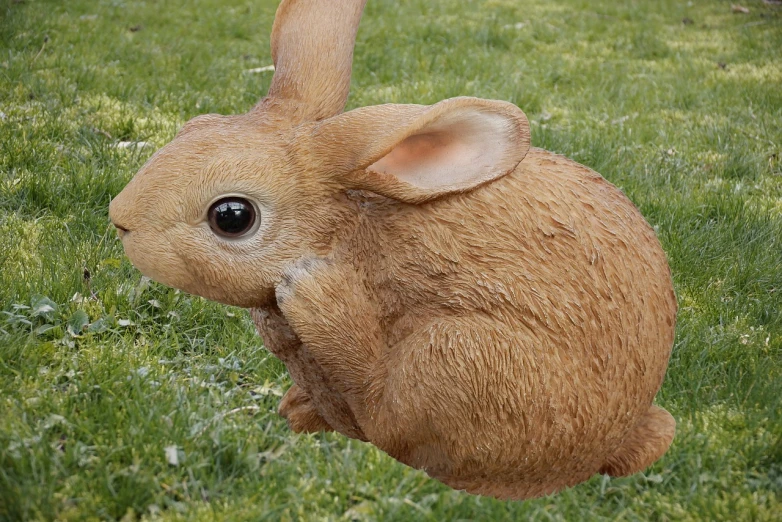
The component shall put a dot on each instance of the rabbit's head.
(231, 200)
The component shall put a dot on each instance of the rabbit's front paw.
(299, 280)
(300, 412)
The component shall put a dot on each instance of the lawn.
(124, 399)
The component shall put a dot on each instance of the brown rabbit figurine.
(496, 315)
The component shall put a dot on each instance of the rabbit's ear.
(312, 49)
(414, 153)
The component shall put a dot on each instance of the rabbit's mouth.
(121, 230)
(153, 257)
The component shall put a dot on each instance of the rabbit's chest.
(310, 376)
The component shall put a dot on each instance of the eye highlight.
(232, 217)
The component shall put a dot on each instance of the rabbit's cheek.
(224, 273)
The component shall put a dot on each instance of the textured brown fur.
(498, 316)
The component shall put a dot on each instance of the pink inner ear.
(457, 152)
(414, 151)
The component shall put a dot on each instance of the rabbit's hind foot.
(646, 443)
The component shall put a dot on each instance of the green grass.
(101, 373)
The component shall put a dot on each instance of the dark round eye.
(231, 217)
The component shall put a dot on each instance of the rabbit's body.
(496, 315)
(518, 351)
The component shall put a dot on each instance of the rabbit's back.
(567, 295)
(551, 244)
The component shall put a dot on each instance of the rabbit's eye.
(232, 217)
